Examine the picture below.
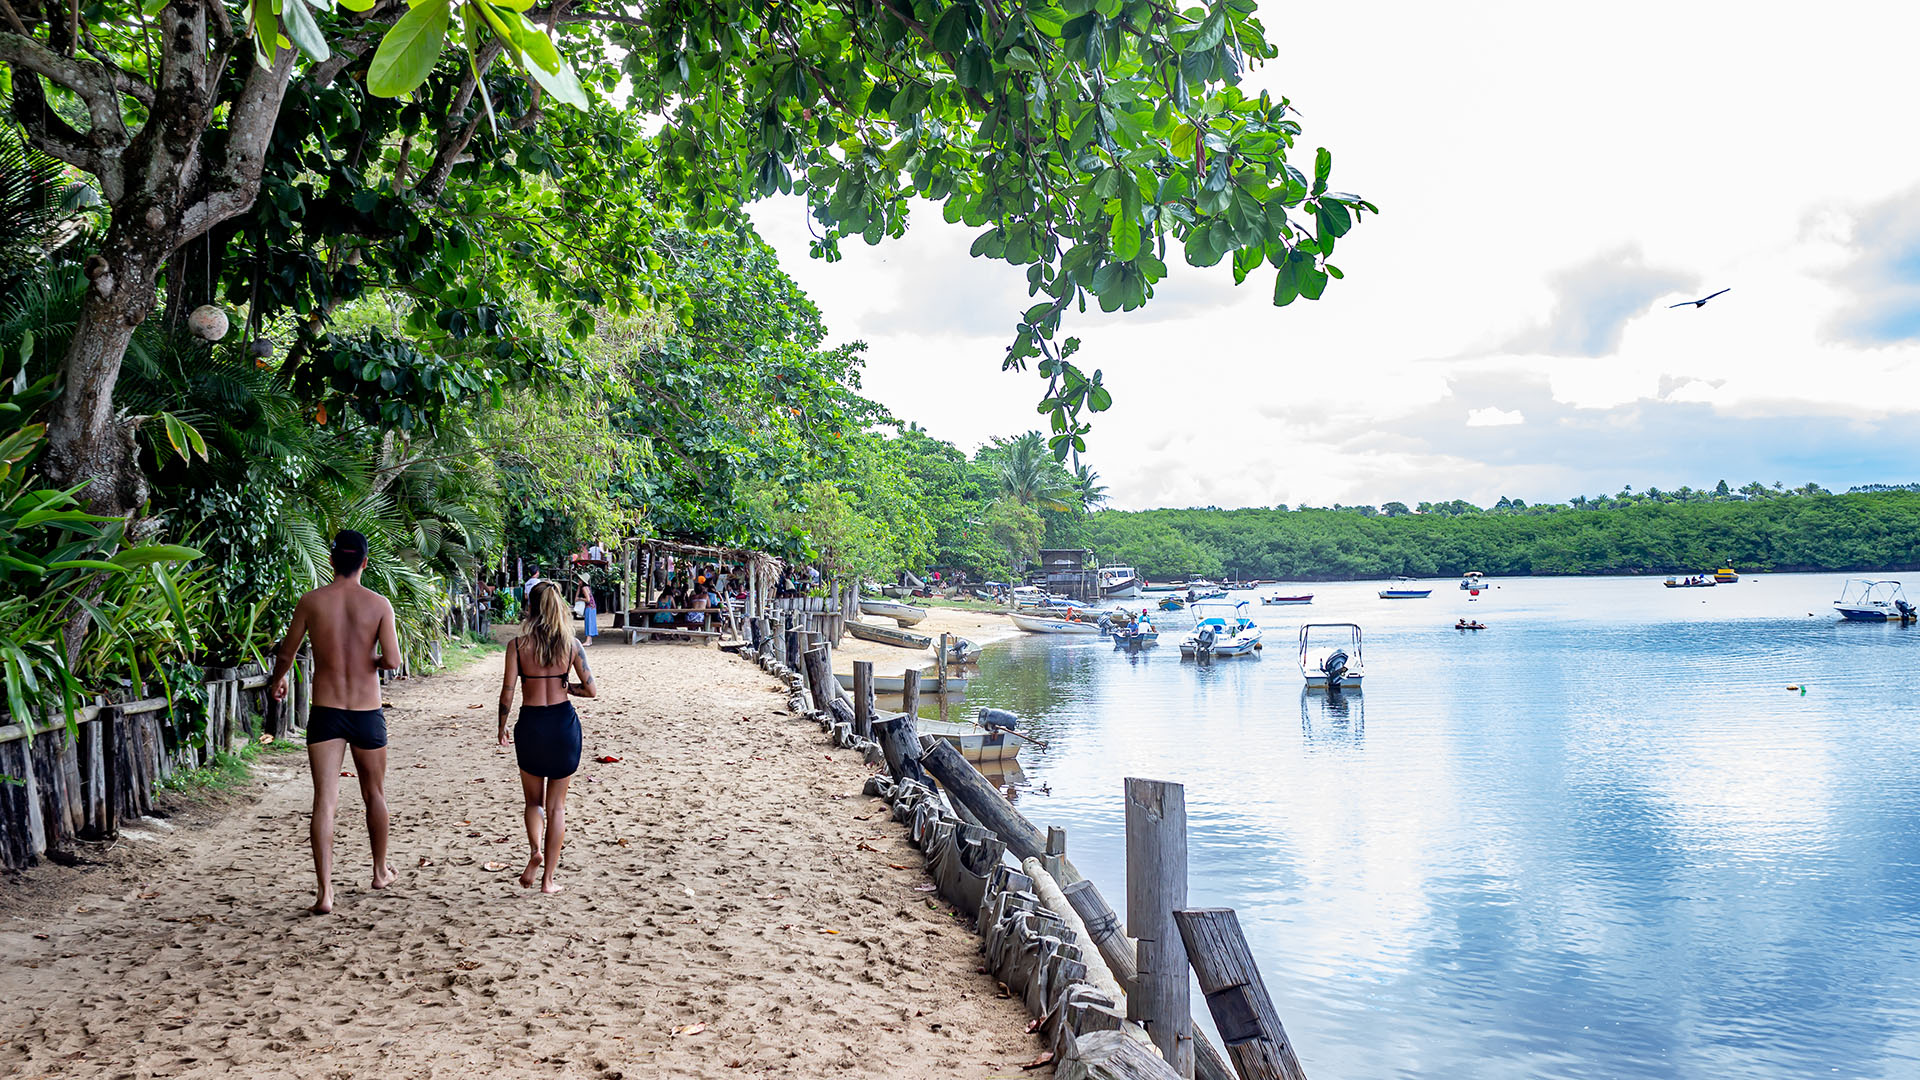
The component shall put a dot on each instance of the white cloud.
(1492, 417)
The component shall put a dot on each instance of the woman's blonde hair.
(549, 625)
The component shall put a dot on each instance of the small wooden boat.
(904, 614)
(888, 635)
(1303, 598)
(1139, 636)
(1048, 624)
(962, 651)
(975, 743)
(893, 684)
(1690, 583)
(1172, 603)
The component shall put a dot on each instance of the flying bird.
(1702, 302)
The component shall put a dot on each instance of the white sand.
(727, 871)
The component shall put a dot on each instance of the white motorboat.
(904, 614)
(1119, 583)
(1862, 600)
(1048, 624)
(1330, 656)
(1221, 630)
(1473, 581)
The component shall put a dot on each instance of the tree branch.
(88, 80)
(52, 136)
(234, 182)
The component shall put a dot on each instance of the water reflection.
(1600, 839)
(1332, 720)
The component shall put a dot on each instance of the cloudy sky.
(1550, 179)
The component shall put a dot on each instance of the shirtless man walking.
(345, 620)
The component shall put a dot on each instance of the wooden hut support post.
(1236, 997)
(1156, 888)
(863, 698)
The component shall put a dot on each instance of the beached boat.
(1119, 582)
(904, 614)
(1863, 600)
(1034, 623)
(977, 744)
(1405, 594)
(887, 635)
(1221, 630)
(1303, 598)
(893, 684)
(1330, 656)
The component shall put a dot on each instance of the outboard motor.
(1203, 641)
(1907, 611)
(1334, 667)
(998, 718)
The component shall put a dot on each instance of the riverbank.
(734, 906)
(983, 626)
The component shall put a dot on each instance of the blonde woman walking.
(546, 740)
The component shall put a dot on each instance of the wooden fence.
(59, 786)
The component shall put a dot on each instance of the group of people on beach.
(354, 640)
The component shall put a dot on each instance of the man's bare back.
(345, 621)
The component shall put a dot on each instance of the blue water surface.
(1600, 839)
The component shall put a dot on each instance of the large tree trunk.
(87, 442)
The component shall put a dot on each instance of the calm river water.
(1599, 839)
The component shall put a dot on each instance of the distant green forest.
(1752, 529)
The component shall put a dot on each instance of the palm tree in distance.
(1092, 492)
(1030, 476)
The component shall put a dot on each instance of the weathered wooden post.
(1236, 997)
(910, 694)
(1156, 888)
(1103, 926)
(965, 785)
(940, 662)
(863, 698)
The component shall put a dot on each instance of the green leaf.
(1125, 234)
(86, 564)
(407, 54)
(1020, 59)
(1286, 285)
(1212, 29)
(302, 30)
(148, 554)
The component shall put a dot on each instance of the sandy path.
(718, 874)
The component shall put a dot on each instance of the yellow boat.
(1725, 575)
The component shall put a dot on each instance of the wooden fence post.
(910, 694)
(1236, 997)
(112, 763)
(863, 698)
(1156, 888)
(965, 785)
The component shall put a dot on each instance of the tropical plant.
(1086, 483)
(1031, 477)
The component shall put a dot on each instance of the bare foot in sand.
(532, 872)
(324, 905)
(383, 876)
(551, 886)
